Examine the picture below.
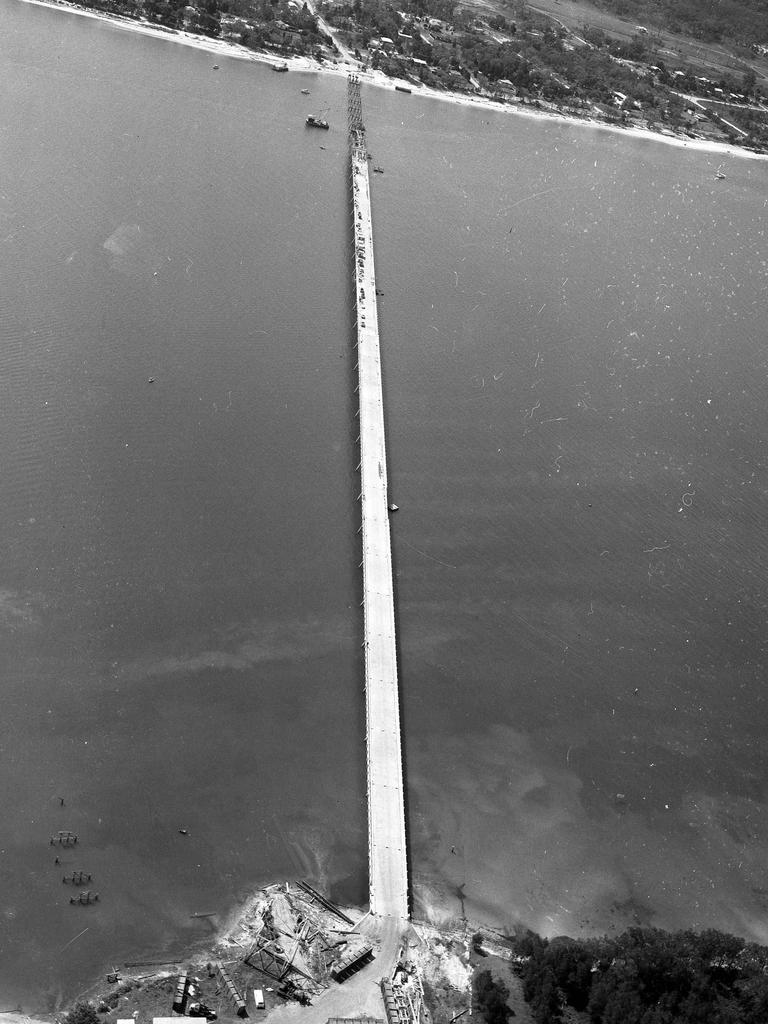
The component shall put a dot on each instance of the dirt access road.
(360, 996)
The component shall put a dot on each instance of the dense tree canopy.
(647, 976)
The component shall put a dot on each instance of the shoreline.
(379, 80)
(230, 938)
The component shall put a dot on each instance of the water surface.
(575, 390)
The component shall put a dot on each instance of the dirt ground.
(445, 957)
(313, 939)
(149, 996)
(449, 962)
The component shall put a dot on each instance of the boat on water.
(279, 67)
(719, 175)
(317, 122)
(378, 170)
(305, 92)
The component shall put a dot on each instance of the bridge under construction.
(298, 946)
(387, 852)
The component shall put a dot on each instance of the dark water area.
(575, 380)
(179, 591)
(576, 348)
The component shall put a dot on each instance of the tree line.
(646, 976)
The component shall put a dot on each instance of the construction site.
(290, 954)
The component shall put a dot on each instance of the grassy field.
(715, 59)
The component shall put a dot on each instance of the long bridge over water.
(387, 850)
(371, 990)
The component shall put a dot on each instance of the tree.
(82, 1013)
(491, 998)
(749, 80)
(208, 18)
(545, 1003)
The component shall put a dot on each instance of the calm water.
(576, 392)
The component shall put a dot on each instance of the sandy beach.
(380, 80)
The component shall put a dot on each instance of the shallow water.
(575, 378)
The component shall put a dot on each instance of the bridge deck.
(388, 872)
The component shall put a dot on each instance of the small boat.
(215, 67)
(317, 122)
(305, 92)
(378, 170)
(279, 67)
(402, 88)
(719, 175)
(393, 507)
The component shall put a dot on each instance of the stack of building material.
(352, 962)
(232, 991)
